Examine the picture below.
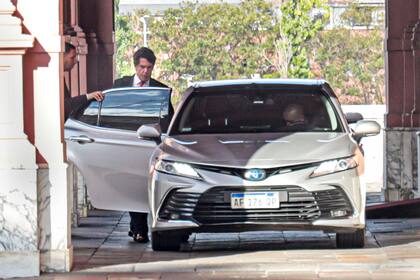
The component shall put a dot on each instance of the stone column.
(80, 199)
(402, 119)
(19, 254)
(83, 203)
(44, 108)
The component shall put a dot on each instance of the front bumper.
(341, 189)
(340, 226)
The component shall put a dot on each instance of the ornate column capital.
(12, 40)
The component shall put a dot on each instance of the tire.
(166, 241)
(351, 240)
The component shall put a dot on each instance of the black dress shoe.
(137, 237)
(140, 238)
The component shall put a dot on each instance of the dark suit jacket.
(127, 81)
(73, 105)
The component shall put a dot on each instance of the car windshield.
(257, 111)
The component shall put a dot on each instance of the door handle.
(82, 139)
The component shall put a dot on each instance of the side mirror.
(353, 117)
(147, 131)
(366, 128)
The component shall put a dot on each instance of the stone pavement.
(102, 250)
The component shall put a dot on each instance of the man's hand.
(97, 95)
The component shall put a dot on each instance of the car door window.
(90, 114)
(129, 109)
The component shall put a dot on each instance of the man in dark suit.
(144, 61)
(75, 104)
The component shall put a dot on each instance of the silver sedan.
(238, 155)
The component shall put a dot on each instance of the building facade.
(35, 178)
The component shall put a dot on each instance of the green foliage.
(222, 41)
(353, 62)
(215, 41)
(299, 27)
(128, 37)
(283, 38)
(117, 6)
(356, 15)
(124, 41)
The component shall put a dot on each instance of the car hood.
(263, 150)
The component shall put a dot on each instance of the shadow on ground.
(101, 240)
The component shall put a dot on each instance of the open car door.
(102, 142)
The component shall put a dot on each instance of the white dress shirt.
(137, 81)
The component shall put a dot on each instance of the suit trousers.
(138, 223)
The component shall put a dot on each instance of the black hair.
(69, 47)
(146, 53)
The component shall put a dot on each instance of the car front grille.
(213, 206)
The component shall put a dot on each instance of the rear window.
(263, 111)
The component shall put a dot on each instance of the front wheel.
(351, 240)
(167, 240)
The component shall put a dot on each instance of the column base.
(400, 163)
(57, 260)
(19, 264)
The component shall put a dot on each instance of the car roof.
(238, 82)
(221, 85)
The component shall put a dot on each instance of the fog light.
(338, 213)
(174, 216)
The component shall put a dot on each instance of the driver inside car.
(294, 117)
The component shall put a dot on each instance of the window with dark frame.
(129, 109)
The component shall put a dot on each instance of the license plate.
(256, 200)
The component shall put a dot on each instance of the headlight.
(332, 166)
(177, 168)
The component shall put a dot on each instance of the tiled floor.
(102, 250)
